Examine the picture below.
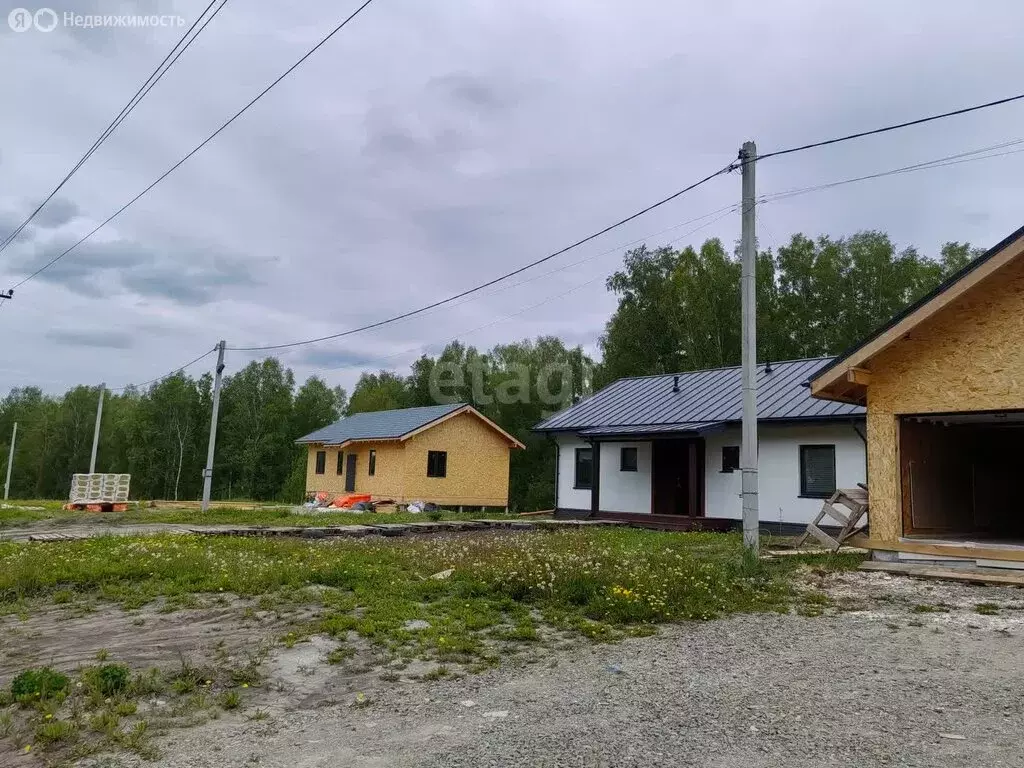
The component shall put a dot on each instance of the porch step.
(966, 575)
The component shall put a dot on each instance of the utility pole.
(96, 431)
(208, 472)
(748, 282)
(10, 462)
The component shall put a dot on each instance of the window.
(817, 471)
(627, 460)
(321, 462)
(584, 468)
(372, 463)
(730, 458)
(437, 463)
(341, 462)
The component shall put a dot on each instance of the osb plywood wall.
(385, 483)
(968, 357)
(478, 464)
(478, 461)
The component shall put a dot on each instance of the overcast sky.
(434, 144)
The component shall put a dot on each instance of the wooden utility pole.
(748, 282)
(208, 472)
(96, 431)
(10, 462)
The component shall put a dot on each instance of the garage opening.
(962, 476)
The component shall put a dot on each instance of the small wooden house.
(943, 383)
(451, 455)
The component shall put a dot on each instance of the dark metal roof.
(379, 425)
(704, 396)
(940, 289)
(692, 427)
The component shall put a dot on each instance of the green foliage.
(38, 684)
(679, 310)
(108, 679)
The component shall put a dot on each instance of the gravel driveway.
(877, 683)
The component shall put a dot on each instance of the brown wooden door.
(677, 477)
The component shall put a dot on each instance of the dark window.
(627, 460)
(817, 471)
(321, 462)
(341, 462)
(730, 458)
(437, 463)
(372, 463)
(584, 468)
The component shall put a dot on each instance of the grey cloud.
(325, 357)
(103, 339)
(56, 213)
(469, 91)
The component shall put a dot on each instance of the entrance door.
(350, 472)
(677, 477)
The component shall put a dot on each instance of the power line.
(155, 76)
(941, 162)
(888, 128)
(170, 373)
(491, 282)
(202, 144)
(727, 210)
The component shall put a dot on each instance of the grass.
(23, 513)
(987, 609)
(595, 582)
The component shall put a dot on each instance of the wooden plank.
(964, 575)
(821, 536)
(1015, 554)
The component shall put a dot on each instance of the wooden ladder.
(853, 499)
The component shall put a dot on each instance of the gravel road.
(877, 683)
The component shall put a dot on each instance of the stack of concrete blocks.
(100, 488)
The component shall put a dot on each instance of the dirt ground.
(896, 672)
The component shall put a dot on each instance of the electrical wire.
(155, 76)
(549, 299)
(170, 373)
(941, 162)
(886, 129)
(199, 146)
(481, 286)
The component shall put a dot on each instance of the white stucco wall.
(779, 470)
(620, 491)
(778, 476)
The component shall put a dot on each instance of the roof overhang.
(650, 431)
(847, 378)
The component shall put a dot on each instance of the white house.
(665, 449)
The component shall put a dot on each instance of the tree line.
(677, 310)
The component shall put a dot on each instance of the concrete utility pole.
(10, 462)
(748, 282)
(208, 472)
(96, 431)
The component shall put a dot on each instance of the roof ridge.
(721, 368)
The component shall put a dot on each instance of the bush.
(41, 683)
(108, 679)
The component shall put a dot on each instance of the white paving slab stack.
(100, 488)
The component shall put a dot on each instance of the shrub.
(39, 683)
(108, 679)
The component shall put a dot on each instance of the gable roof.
(396, 424)
(900, 324)
(705, 399)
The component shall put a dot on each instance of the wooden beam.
(860, 376)
(964, 575)
(969, 551)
